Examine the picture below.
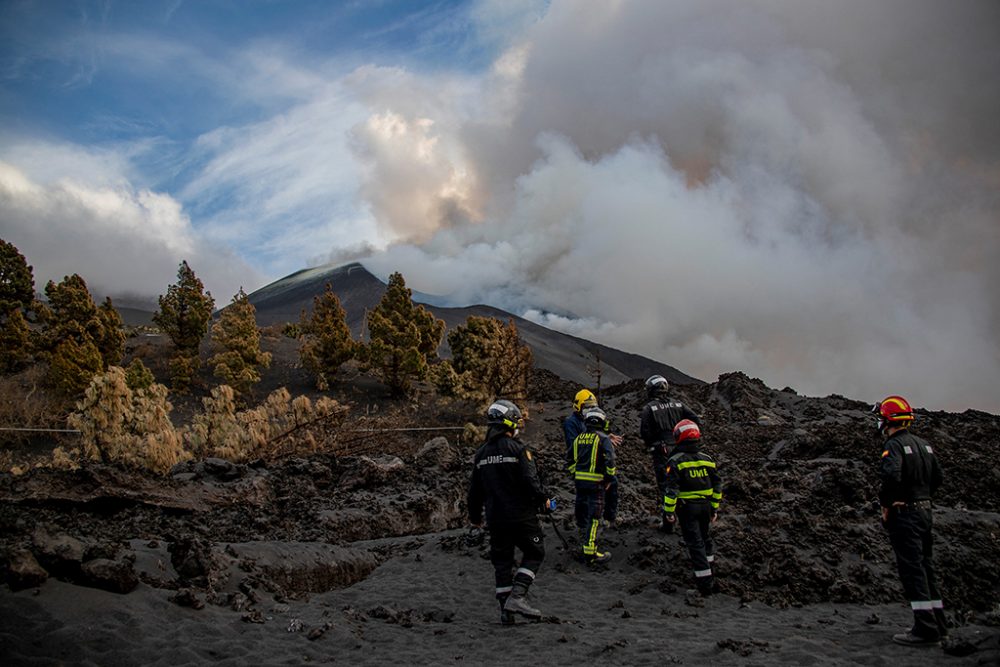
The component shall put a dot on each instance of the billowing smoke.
(804, 191)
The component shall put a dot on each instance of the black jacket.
(504, 478)
(593, 458)
(909, 470)
(659, 417)
(691, 477)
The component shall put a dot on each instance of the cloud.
(122, 240)
(725, 186)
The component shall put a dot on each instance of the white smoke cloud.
(761, 186)
(123, 241)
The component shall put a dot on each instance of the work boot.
(707, 586)
(910, 639)
(599, 558)
(517, 603)
(666, 528)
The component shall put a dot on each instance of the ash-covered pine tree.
(184, 313)
(237, 338)
(327, 342)
(402, 337)
(489, 360)
(122, 426)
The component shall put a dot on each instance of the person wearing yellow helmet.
(910, 475)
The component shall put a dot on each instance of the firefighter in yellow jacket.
(692, 496)
(593, 470)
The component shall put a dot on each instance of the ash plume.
(804, 192)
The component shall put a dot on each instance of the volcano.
(359, 291)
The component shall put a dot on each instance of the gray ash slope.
(359, 291)
(363, 551)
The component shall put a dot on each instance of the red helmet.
(893, 411)
(686, 430)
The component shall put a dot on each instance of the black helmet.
(504, 413)
(595, 417)
(657, 385)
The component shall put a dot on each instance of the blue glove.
(550, 505)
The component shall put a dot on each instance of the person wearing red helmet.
(910, 475)
(693, 491)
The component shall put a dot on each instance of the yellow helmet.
(584, 399)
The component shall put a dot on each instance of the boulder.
(60, 554)
(440, 453)
(23, 571)
(117, 576)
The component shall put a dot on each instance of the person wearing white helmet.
(659, 417)
(505, 481)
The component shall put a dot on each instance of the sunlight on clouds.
(120, 240)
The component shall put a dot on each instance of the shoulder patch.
(885, 453)
(527, 453)
(668, 470)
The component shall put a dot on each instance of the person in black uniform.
(692, 497)
(910, 475)
(659, 416)
(504, 478)
(593, 470)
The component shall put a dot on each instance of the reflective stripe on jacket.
(692, 476)
(593, 457)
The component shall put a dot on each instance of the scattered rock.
(318, 632)
(186, 597)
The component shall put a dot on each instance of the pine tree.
(137, 376)
(237, 337)
(15, 342)
(489, 360)
(112, 339)
(73, 329)
(327, 342)
(403, 336)
(17, 281)
(184, 313)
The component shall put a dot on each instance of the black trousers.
(525, 535)
(695, 519)
(911, 535)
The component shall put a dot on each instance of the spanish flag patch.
(528, 454)
(885, 453)
(668, 470)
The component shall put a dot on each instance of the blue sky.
(803, 190)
